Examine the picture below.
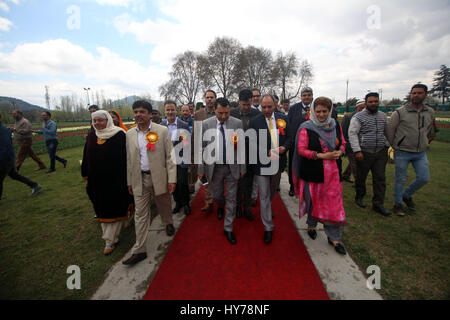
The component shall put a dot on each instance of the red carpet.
(202, 265)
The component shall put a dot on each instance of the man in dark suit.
(222, 167)
(179, 133)
(272, 142)
(245, 113)
(298, 113)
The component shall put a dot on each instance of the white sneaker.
(35, 190)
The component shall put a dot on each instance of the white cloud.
(60, 58)
(5, 24)
(412, 40)
(4, 6)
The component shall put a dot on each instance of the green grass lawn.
(412, 251)
(41, 236)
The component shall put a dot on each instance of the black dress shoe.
(230, 236)
(268, 236)
(187, 209)
(312, 234)
(238, 212)
(135, 258)
(347, 179)
(360, 203)
(220, 212)
(176, 209)
(339, 247)
(249, 215)
(65, 163)
(380, 209)
(170, 230)
(291, 192)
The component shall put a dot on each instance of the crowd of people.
(126, 168)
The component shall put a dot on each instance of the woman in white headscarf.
(104, 167)
(317, 173)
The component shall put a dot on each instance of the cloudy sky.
(126, 47)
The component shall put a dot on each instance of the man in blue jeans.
(51, 139)
(7, 162)
(408, 132)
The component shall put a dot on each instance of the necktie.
(273, 135)
(224, 153)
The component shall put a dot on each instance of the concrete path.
(342, 278)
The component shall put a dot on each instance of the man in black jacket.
(351, 167)
(245, 113)
(298, 113)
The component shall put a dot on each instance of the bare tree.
(222, 59)
(255, 68)
(185, 78)
(291, 75)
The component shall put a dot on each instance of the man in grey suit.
(220, 162)
(179, 133)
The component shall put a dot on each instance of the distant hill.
(128, 101)
(8, 102)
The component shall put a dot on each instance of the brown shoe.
(40, 168)
(108, 250)
(208, 207)
(135, 258)
(170, 230)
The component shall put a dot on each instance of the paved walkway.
(341, 276)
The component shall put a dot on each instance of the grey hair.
(306, 89)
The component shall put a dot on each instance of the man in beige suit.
(150, 173)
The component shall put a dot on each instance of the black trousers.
(376, 163)
(291, 156)
(52, 145)
(244, 193)
(181, 194)
(8, 168)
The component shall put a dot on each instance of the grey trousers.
(267, 188)
(222, 174)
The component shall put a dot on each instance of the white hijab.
(110, 130)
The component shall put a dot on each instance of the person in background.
(368, 136)
(317, 167)
(104, 167)
(256, 101)
(156, 116)
(187, 117)
(201, 115)
(298, 113)
(7, 165)
(49, 130)
(245, 113)
(23, 136)
(117, 119)
(285, 106)
(178, 131)
(191, 108)
(351, 167)
(408, 133)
